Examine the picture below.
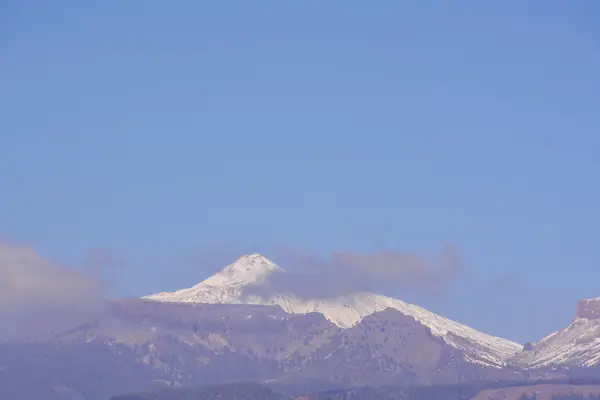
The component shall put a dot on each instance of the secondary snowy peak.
(227, 286)
(577, 345)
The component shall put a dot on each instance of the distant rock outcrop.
(589, 308)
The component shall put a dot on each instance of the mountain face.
(577, 345)
(229, 287)
(136, 343)
(221, 342)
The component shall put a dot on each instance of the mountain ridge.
(215, 332)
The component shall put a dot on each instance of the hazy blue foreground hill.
(74, 370)
(236, 391)
(556, 390)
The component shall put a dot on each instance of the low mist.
(36, 294)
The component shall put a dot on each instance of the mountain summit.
(228, 287)
(246, 270)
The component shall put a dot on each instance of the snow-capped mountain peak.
(246, 270)
(228, 287)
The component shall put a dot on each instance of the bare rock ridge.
(346, 311)
(589, 308)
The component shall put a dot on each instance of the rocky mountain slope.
(249, 342)
(229, 287)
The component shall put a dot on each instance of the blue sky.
(171, 133)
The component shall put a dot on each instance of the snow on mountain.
(227, 286)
